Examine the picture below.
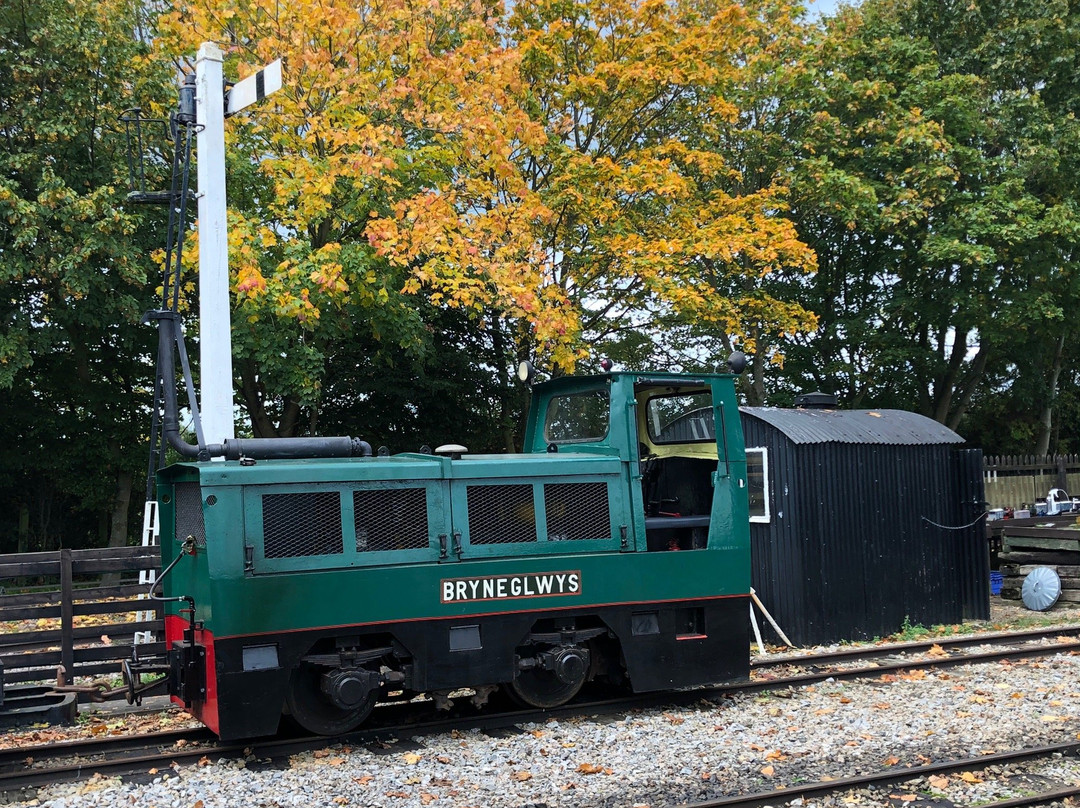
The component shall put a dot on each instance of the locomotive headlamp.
(526, 372)
(737, 362)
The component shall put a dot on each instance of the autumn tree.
(660, 221)
(384, 168)
(552, 172)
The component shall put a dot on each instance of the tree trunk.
(254, 401)
(754, 386)
(1046, 418)
(24, 528)
(118, 528)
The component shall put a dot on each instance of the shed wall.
(859, 538)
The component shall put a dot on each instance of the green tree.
(938, 189)
(73, 273)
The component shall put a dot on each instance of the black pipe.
(234, 449)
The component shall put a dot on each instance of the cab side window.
(577, 418)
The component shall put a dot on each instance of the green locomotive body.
(616, 547)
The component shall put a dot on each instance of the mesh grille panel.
(577, 511)
(189, 515)
(391, 519)
(501, 514)
(302, 524)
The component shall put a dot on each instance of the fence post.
(67, 615)
(1062, 481)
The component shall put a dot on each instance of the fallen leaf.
(204, 761)
(892, 761)
(363, 779)
(768, 771)
(968, 777)
(426, 798)
(776, 754)
(521, 777)
(882, 706)
(590, 768)
(411, 758)
(937, 650)
(938, 782)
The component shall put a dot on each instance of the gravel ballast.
(661, 757)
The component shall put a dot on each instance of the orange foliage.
(558, 163)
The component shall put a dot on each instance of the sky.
(821, 7)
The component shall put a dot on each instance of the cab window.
(681, 418)
(577, 417)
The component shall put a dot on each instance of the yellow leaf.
(412, 758)
(968, 777)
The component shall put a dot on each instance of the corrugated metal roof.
(887, 427)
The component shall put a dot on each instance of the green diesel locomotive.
(614, 548)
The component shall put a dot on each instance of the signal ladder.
(151, 531)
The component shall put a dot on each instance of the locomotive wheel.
(544, 689)
(314, 711)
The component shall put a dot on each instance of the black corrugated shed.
(873, 519)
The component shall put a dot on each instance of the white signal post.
(215, 324)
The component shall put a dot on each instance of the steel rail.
(891, 649)
(893, 777)
(115, 756)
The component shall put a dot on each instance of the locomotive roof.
(639, 377)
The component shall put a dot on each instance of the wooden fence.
(64, 609)
(1019, 481)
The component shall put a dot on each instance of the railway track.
(30, 767)
(892, 778)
